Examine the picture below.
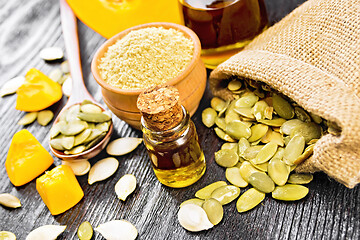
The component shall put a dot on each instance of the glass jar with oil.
(224, 26)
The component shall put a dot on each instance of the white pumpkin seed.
(90, 108)
(80, 167)
(56, 75)
(5, 235)
(195, 201)
(46, 232)
(193, 218)
(103, 169)
(8, 200)
(11, 86)
(122, 146)
(249, 199)
(28, 118)
(51, 53)
(44, 117)
(67, 86)
(125, 186)
(205, 192)
(65, 68)
(117, 229)
(214, 210)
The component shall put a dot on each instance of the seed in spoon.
(103, 169)
(125, 186)
(9, 200)
(122, 146)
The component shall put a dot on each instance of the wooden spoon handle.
(69, 28)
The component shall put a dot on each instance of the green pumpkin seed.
(259, 93)
(85, 231)
(223, 110)
(266, 153)
(262, 182)
(316, 118)
(262, 167)
(243, 144)
(305, 155)
(231, 116)
(290, 192)
(28, 118)
(300, 178)
(221, 134)
(67, 142)
(294, 149)
(44, 117)
(220, 122)
(249, 199)
(226, 158)
(251, 152)
(73, 127)
(289, 125)
(214, 210)
(308, 130)
(226, 194)
(10, 201)
(94, 134)
(278, 171)
(231, 146)
(312, 141)
(232, 174)
(104, 127)
(195, 201)
(279, 153)
(237, 130)
(55, 130)
(282, 107)
(302, 115)
(275, 122)
(56, 143)
(94, 117)
(205, 192)
(246, 169)
(247, 100)
(257, 132)
(234, 85)
(268, 113)
(333, 128)
(217, 104)
(208, 117)
(245, 112)
(272, 136)
(75, 150)
(95, 141)
(287, 140)
(72, 112)
(5, 235)
(90, 108)
(259, 110)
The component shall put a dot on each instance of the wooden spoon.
(79, 91)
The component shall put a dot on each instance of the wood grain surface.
(330, 211)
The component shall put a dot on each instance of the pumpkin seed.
(305, 155)
(208, 117)
(262, 167)
(214, 210)
(85, 231)
(71, 114)
(103, 169)
(125, 186)
(308, 130)
(257, 132)
(279, 153)
(233, 176)
(223, 110)
(81, 137)
(51, 53)
(193, 218)
(94, 117)
(90, 108)
(221, 134)
(56, 143)
(246, 169)
(73, 127)
(237, 129)
(278, 171)
(28, 118)
(302, 115)
(50, 231)
(290, 192)
(231, 146)
(195, 201)
(268, 113)
(75, 150)
(217, 104)
(287, 140)
(247, 100)
(5, 235)
(289, 125)
(122, 146)
(44, 117)
(231, 116)
(56, 75)
(245, 112)
(316, 118)
(226, 194)
(243, 144)
(294, 149)
(104, 127)
(282, 107)
(266, 153)
(115, 228)
(205, 192)
(65, 68)
(234, 85)
(11, 86)
(300, 178)
(259, 110)
(251, 152)
(249, 199)
(262, 182)
(226, 158)
(80, 167)
(9, 200)
(94, 135)
(272, 136)
(220, 122)
(275, 122)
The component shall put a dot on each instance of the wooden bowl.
(191, 82)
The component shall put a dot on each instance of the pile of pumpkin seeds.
(79, 128)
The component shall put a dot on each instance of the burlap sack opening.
(313, 57)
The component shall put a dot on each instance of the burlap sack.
(313, 57)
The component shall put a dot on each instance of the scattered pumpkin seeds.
(5, 235)
(225, 194)
(249, 199)
(125, 186)
(278, 171)
(103, 169)
(115, 228)
(262, 182)
(195, 201)
(10, 201)
(226, 157)
(46, 232)
(122, 146)
(85, 231)
(28, 118)
(290, 192)
(205, 192)
(208, 117)
(233, 175)
(44, 117)
(217, 104)
(193, 218)
(265, 154)
(11, 86)
(80, 167)
(214, 210)
(300, 178)
(51, 53)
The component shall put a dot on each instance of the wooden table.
(330, 211)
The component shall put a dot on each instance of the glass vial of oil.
(170, 138)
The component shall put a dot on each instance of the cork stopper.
(160, 107)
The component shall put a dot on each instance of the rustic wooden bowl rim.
(103, 48)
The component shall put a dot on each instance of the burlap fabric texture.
(313, 57)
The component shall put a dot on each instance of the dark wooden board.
(330, 211)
